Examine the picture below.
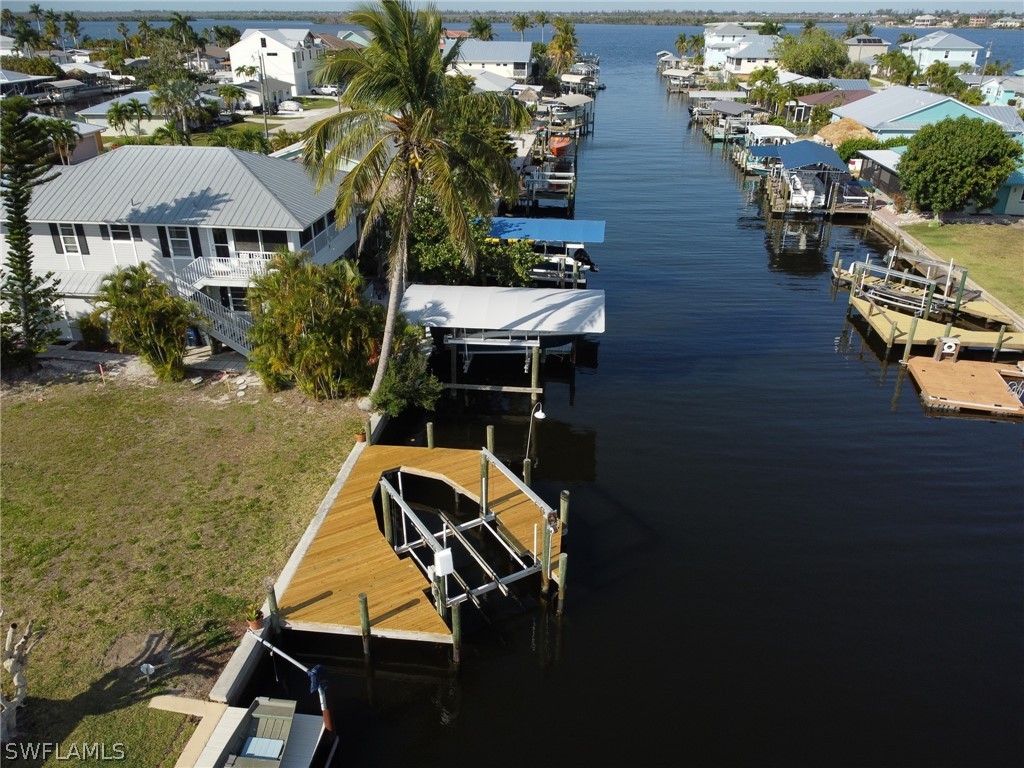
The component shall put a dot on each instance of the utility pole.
(263, 94)
(988, 53)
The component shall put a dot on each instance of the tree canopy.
(814, 53)
(957, 162)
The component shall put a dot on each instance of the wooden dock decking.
(894, 327)
(349, 554)
(968, 385)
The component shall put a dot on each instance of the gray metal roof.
(940, 41)
(494, 52)
(194, 186)
(756, 47)
(847, 84)
(1007, 116)
(888, 105)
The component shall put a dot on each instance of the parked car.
(289, 106)
(325, 90)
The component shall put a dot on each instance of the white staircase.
(230, 328)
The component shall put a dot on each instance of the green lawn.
(992, 253)
(139, 510)
(317, 102)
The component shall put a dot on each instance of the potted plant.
(254, 616)
(361, 436)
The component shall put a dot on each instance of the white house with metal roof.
(205, 219)
(752, 53)
(903, 111)
(865, 48)
(508, 59)
(941, 46)
(288, 55)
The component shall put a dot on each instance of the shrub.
(899, 202)
(93, 331)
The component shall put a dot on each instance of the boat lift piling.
(315, 682)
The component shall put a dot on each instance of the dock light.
(536, 413)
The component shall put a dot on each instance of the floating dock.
(969, 386)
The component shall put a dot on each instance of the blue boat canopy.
(549, 230)
(805, 154)
(768, 150)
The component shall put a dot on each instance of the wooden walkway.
(969, 385)
(894, 328)
(349, 554)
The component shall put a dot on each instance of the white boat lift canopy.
(528, 311)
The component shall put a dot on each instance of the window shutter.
(165, 247)
(104, 232)
(197, 248)
(83, 244)
(136, 233)
(58, 246)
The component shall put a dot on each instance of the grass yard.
(138, 520)
(992, 253)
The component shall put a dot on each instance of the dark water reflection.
(777, 558)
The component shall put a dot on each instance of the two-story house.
(865, 48)
(205, 219)
(752, 53)
(941, 46)
(722, 37)
(513, 60)
(286, 55)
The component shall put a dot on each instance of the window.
(247, 240)
(68, 238)
(1022, 194)
(120, 232)
(318, 226)
(945, 54)
(269, 53)
(273, 240)
(181, 247)
(306, 236)
(136, 233)
(220, 244)
(235, 299)
(263, 42)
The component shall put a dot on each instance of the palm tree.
(144, 32)
(180, 28)
(905, 37)
(37, 13)
(118, 117)
(682, 44)
(866, 28)
(232, 95)
(72, 27)
(137, 111)
(122, 30)
(563, 46)
(400, 103)
(769, 28)
(63, 136)
(7, 19)
(481, 28)
(696, 46)
(51, 29)
(808, 26)
(26, 39)
(178, 100)
(520, 23)
(542, 20)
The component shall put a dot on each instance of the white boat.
(268, 733)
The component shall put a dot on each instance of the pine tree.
(28, 300)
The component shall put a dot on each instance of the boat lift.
(435, 550)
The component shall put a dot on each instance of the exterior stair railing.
(230, 328)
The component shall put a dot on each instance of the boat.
(260, 736)
(559, 145)
(564, 261)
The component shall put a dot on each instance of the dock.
(350, 555)
(969, 386)
(896, 328)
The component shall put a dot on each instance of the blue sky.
(241, 6)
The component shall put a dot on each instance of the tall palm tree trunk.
(396, 282)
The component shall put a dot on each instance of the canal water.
(776, 556)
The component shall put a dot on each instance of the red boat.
(559, 145)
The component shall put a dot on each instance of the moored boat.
(559, 145)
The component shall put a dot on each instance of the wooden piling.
(527, 470)
(490, 438)
(545, 561)
(563, 511)
(275, 614)
(385, 502)
(563, 561)
(910, 340)
(364, 622)
(456, 634)
(430, 434)
(368, 427)
(534, 373)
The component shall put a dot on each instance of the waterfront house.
(89, 143)
(205, 219)
(902, 111)
(998, 89)
(865, 48)
(752, 53)
(288, 55)
(18, 83)
(97, 114)
(941, 46)
(722, 37)
(509, 59)
(801, 107)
